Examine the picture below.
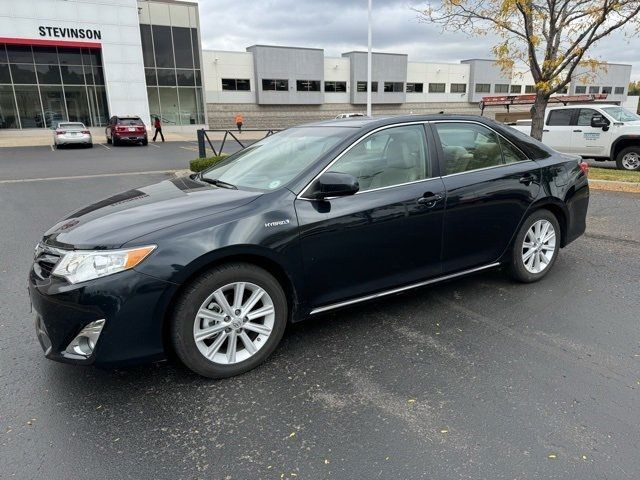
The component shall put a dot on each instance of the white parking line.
(153, 145)
(192, 149)
(79, 177)
(103, 145)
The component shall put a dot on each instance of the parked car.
(350, 115)
(126, 129)
(214, 265)
(72, 133)
(601, 132)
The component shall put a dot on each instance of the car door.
(558, 129)
(586, 140)
(490, 184)
(388, 234)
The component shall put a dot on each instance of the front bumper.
(132, 305)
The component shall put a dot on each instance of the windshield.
(621, 114)
(277, 159)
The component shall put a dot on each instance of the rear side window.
(129, 121)
(469, 146)
(560, 118)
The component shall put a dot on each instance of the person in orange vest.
(239, 122)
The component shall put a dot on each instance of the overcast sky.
(341, 25)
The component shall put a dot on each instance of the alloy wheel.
(538, 246)
(631, 161)
(233, 323)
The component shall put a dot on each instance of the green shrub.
(200, 164)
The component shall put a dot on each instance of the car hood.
(117, 220)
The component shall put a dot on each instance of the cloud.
(341, 25)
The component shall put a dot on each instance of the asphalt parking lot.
(478, 378)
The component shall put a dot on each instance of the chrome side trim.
(400, 289)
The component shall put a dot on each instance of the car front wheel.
(229, 320)
(629, 159)
(536, 247)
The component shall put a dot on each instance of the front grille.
(45, 261)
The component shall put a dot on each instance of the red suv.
(126, 129)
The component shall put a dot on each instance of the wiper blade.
(218, 183)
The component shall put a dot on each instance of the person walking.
(239, 122)
(158, 126)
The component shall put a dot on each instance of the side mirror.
(335, 184)
(598, 121)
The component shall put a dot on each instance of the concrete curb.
(615, 186)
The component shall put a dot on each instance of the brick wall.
(221, 115)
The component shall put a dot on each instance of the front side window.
(277, 159)
(389, 157)
(560, 118)
(585, 115)
(469, 146)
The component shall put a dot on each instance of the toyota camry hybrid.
(211, 267)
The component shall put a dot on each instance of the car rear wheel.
(536, 247)
(114, 141)
(629, 158)
(229, 320)
(109, 140)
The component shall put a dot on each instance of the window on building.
(182, 47)
(147, 46)
(415, 87)
(516, 89)
(581, 89)
(162, 46)
(619, 91)
(236, 84)
(564, 90)
(335, 86)
(594, 89)
(308, 85)
(529, 89)
(362, 86)
(393, 87)
(275, 85)
(607, 89)
(483, 87)
(437, 87)
(560, 117)
(458, 88)
(501, 88)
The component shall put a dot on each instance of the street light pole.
(369, 66)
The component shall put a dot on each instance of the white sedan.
(72, 133)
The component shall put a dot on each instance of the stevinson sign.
(66, 32)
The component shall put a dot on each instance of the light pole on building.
(369, 66)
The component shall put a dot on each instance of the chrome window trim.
(400, 289)
(301, 196)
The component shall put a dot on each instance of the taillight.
(86, 132)
(584, 166)
(60, 132)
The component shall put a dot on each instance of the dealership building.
(87, 60)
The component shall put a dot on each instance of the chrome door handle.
(527, 179)
(429, 199)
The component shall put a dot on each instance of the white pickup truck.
(602, 132)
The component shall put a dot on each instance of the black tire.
(517, 267)
(626, 151)
(145, 142)
(190, 300)
(90, 145)
(109, 140)
(115, 141)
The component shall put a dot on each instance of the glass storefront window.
(166, 77)
(46, 55)
(8, 114)
(53, 105)
(19, 54)
(72, 74)
(169, 105)
(98, 76)
(5, 76)
(196, 48)
(23, 73)
(182, 47)
(69, 56)
(147, 45)
(3, 53)
(150, 76)
(77, 104)
(29, 108)
(162, 46)
(185, 78)
(48, 74)
(188, 106)
(199, 79)
(154, 102)
(91, 56)
(98, 106)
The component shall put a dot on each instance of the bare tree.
(551, 37)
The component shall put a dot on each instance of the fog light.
(85, 342)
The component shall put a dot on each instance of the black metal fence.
(204, 140)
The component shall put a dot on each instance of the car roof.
(585, 105)
(381, 121)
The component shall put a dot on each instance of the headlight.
(82, 265)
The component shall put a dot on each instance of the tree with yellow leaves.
(551, 37)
